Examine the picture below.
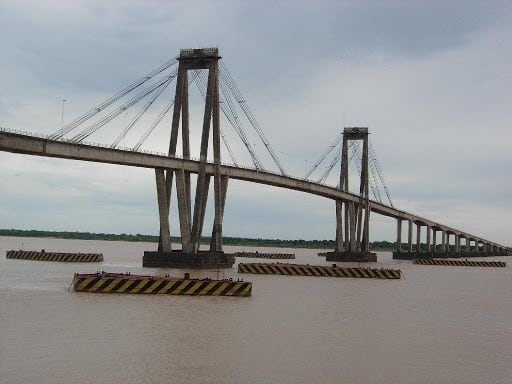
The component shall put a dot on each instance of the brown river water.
(437, 325)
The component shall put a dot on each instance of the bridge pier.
(434, 241)
(191, 223)
(412, 252)
(355, 216)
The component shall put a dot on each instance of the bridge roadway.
(41, 146)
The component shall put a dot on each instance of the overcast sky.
(431, 79)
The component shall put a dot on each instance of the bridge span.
(41, 146)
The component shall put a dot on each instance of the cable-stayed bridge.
(216, 85)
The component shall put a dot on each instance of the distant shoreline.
(240, 241)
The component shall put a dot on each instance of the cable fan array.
(376, 177)
(144, 93)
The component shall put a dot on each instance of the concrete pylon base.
(183, 260)
(359, 257)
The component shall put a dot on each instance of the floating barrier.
(258, 255)
(55, 256)
(460, 263)
(317, 270)
(126, 283)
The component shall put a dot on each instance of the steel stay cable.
(93, 128)
(137, 117)
(94, 111)
(334, 161)
(324, 155)
(233, 119)
(236, 123)
(152, 126)
(201, 85)
(375, 191)
(250, 116)
(156, 122)
(379, 172)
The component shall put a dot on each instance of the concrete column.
(468, 245)
(185, 136)
(344, 187)
(367, 209)
(352, 220)
(418, 238)
(203, 184)
(457, 244)
(359, 210)
(366, 232)
(224, 189)
(183, 211)
(409, 238)
(428, 239)
(443, 241)
(339, 227)
(434, 240)
(399, 235)
(216, 244)
(201, 219)
(181, 83)
(163, 211)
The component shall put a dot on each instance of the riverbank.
(241, 241)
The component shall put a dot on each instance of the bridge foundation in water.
(188, 260)
(358, 257)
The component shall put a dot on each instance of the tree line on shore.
(228, 240)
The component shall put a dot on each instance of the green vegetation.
(241, 241)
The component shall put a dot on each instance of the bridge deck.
(40, 146)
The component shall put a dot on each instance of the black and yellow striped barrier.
(460, 263)
(55, 256)
(317, 270)
(126, 283)
(258, 255)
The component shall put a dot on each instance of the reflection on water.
(438, 325)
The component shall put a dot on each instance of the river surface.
(436, 325)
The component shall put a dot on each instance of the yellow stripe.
(167, 287)
(246, 291)
(125, 286)
(152, 287)
(177, 289)
(98, 284)
(139, 286)
(192, 289)
(84, 283)
(232, 291)
(220, 289)
(111, 286)
(205, 290)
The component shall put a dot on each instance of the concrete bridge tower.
(353, 219)
(191, 223)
